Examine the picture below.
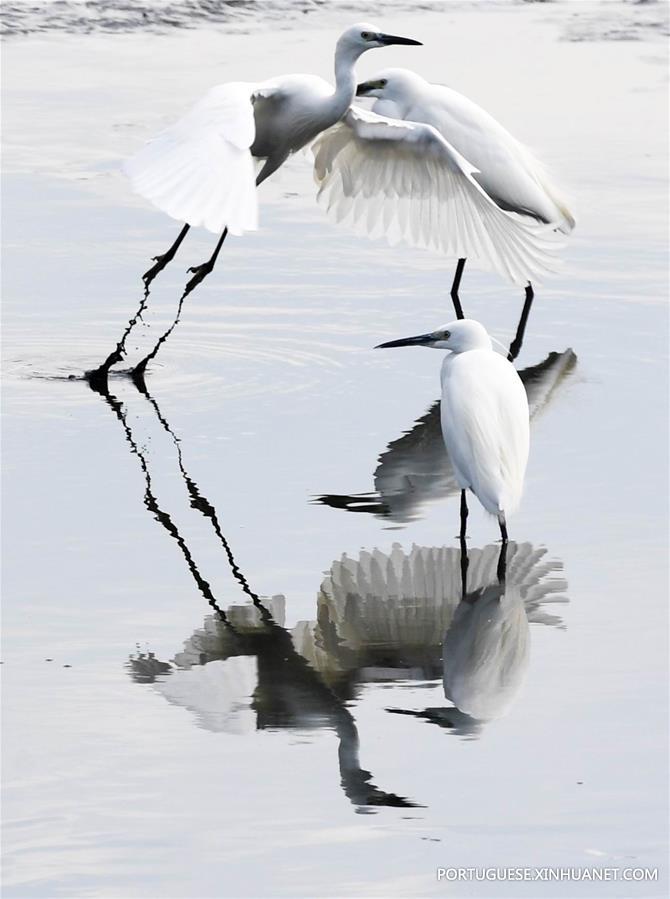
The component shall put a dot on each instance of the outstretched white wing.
(403, 180)
(200, 170)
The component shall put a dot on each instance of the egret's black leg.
(140, 368)
(503, 527)
(162, 261)
(464, 546)
(98, 377)
(464, 514)
(502, 563)
(454, 289)
(201, 273)
(517, 343)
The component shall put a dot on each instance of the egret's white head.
(459, 336)
(364, 36)
(398, 85)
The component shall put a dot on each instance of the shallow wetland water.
(305, 746)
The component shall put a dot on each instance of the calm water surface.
(227, 601)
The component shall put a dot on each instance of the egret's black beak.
(419, 340)
(387, 39)
(363, 88)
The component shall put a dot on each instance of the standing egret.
(405, 179)
(414, 469)
(484, 415)
(201, 170)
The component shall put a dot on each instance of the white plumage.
(485, 424)
(202, 169)
(404, 181)
(417, 181)
(484, 415)
(506, 169)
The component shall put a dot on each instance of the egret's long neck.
(345, 81)
(473, 341)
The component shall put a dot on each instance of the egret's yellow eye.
(446, 335)
(383, 82)
(366, 35)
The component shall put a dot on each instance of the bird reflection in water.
(486, 645)
(404, 616)
(415, 469)
(245, 674)
(397, 617)
(242, 670)
(380, 618)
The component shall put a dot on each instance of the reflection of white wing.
(403, 180)
(399, 599)
(200, 170)
(219, 694)
(403, 599)
(215, 640)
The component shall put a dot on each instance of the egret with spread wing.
(434, 169)
(201, 170)
(485, 417)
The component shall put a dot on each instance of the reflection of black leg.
(454, 289)
(161, 516)
(97, 378)
(201, 272)
(165, 258)
(464, 546)
(517, 343)
(464, 570)
(200, 502)
(502, 563)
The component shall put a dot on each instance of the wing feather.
(405, 180)
(200, 170)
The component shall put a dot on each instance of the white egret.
(396, 179)
(414, 469)
(201, 170)
(484, 415)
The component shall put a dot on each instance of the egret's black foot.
(161, 262)
(201, 272)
